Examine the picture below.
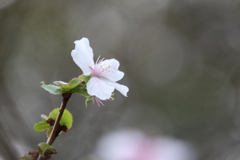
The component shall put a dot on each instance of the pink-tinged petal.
(83, 55)
(99, 88)
(111, 71)
(121, 88)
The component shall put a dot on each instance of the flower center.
(101, 69)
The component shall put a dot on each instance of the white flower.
(136, 145)
(104, 73)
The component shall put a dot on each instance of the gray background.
(181, 60)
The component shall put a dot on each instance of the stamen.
(98, 101)
(98, 59)
(101, 69)
(101, 102)
(111, 98)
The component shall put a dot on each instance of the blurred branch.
(56, 129)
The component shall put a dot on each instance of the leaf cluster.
(76, 85)
(48, 121)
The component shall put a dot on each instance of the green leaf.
(66, 119)
(68, 86)
(54, 114)
(88, 100)
(52, 88)
(48, 133)
(41, 126)
(81, 91)
(46, 150)
(75, 81)
(60, 83)
(84, 78)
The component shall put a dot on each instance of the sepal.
(84, 78)
(82, 91)
(88, 100)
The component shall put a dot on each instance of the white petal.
(83, 55)
(121, 88)
(82, 65)
(111, 62)
(114, 73)
(99, 88)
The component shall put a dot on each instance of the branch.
(54, 134)
(55, 130)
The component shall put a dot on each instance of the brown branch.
(56, 126)
(53, 135)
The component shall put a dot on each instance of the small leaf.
(68, 86)
(46, 150)
(54, 114)
(44, 117)
(48, 133)
(52, 88)
(66, 119)
(60, 83)
(41, 126)
(84, 78)
(81, 91)
(88, 100)
(75, 81)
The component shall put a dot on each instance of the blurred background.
(181, 60)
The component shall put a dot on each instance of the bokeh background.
(181, 60)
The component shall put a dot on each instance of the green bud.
(45, 150)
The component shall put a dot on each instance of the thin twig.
(65, 98)
(54, 134)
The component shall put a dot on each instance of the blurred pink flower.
(104, 73)
(135, 145)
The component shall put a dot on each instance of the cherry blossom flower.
(131, 144)
(104, 73)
